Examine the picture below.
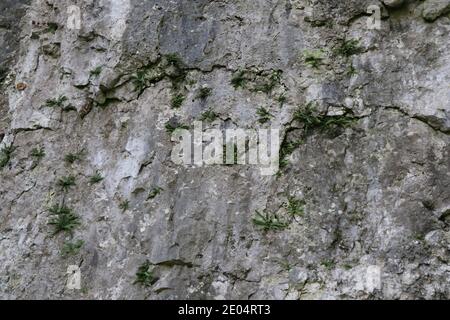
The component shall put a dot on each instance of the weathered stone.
(393, 3)
(365, 126)
(433, 9)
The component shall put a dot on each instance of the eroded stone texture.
(377, 205)
(433, 9)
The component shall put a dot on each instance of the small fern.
(269, 221)
(144, 275)
(155, 192)
(96, 178)
(124, 205)
(264, 115)
(5, 155)
(177, 101)
(57, 102)
(71, 248)
(63, 219)
(65, 183)
(204, 93)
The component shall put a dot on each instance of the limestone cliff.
(359, 209)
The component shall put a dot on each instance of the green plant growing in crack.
(328, 264)
(56, 102)
(95, 178)
(311, 119)
(71, 248)
(238, 80)
(282, 99)
(144, 275)
(295, 207)
(71, 158)
(313, 58)
(124, 205)
(52, 27)
(96, 71)
(139, 80)
(65, 183)
(348, 48)
(174, 60)
(170, 127)
(177, 101)
(286, 149)
(269, 221)
(268, 83)
(351, 71)
(5, 155)
(63, 219)
(154, 193)
(37, 154)
(209, 116)
(204, 93)
(264, 115)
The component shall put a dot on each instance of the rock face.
(359, 209)
(393, 3)
(433, 9)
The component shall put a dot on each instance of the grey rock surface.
(393, 3)
(433, 9)
(371, 196)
